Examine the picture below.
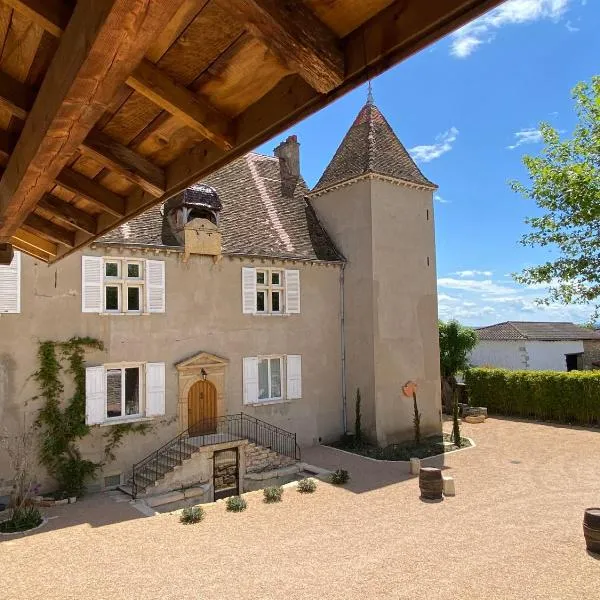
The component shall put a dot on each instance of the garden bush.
(236, 504)
(192, 514)
(307, 486)
(22, 519)
(273, 494)
(340, 477)
(572, 397)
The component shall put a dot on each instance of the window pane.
(113, 393)
(132, 391)
(133, 298)
(112, 297)
(111, 269)
(275, 297)
(260, 277)
(275, 378)
(133, 270)
(276, 278)
(263, 379)
(260, 301)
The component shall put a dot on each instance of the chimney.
(288, 153)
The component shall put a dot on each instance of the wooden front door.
(202, 408)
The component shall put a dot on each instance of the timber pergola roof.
(110, 106)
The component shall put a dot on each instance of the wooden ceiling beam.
(7, 143)
(29, 240)
(297, 37)
(16, 97)
(68, 213)
(50, 15)
(48, 230)
(190, 109)
(125, 161)
(101, 197)
(101, 45)
(31, 251)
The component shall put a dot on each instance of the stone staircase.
(259, 459)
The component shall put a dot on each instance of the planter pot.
(474, 419)
(591, 529)
(431, 483)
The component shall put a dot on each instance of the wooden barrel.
(431, 483)
(591, 529)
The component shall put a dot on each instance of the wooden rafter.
(297, 37)
(68, 214)
(34, 244)
(46, 229)
(92, 191)
(100, 47)
(51, 15)
(181, 103)
(16, 97)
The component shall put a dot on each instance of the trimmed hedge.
(572, 397)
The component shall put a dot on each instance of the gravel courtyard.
(514, 530)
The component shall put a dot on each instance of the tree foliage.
(456, 343)
(565, 185)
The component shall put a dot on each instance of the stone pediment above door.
(202, 360)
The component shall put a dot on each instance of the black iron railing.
(208, 432)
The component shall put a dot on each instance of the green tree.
(565, 185)
(456, 343)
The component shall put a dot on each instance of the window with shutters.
(122, 285)
(270, 291)
(275, 378)
(124, 392)
(10, 285)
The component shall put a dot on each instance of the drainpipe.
(343, 343)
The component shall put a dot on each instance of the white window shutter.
(248, 290)
(91, 284)
(292, 291)
(250, 379)
(294, 376)
(155, 286)
(95, 395)
(155, 389)
(10, 285)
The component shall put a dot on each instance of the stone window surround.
(190, 371)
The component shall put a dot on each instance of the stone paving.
(513, 530)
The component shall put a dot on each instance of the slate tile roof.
(371, 146)
(536, 330)
(255, 220)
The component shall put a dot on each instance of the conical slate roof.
(371, 146)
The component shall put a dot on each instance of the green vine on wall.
(61, 427)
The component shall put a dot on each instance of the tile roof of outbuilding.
(536, 330)
(371, 146)
(256, 219)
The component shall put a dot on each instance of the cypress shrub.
(572, 397)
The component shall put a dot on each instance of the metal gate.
(225, 473)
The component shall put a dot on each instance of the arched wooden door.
(202, 408)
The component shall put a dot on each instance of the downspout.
(343, 349)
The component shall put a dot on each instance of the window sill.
(124, 420)
(267, 402)
(123, 314)
(260, 314)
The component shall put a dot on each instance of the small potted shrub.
(235, 504)
(273, 494)
(340, 477)
(192, 514)
(307, 486)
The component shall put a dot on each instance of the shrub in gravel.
(273, 494)
(307, 486)
(22, 519)
(340, 477)
(236, 504)
(192, 514)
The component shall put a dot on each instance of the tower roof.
(371, 146)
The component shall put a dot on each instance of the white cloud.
(526, 136)
(443, 143)
(441, 200)
(486, 286)
(473, 273)
(570, 27)
(482, 31)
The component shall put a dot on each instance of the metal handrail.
(238, 426)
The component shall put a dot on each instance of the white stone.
(449, 489)
(415, 466)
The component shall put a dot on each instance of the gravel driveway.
(512, 531)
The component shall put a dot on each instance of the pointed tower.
(378, 208)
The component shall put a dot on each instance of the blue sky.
(468, 108)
